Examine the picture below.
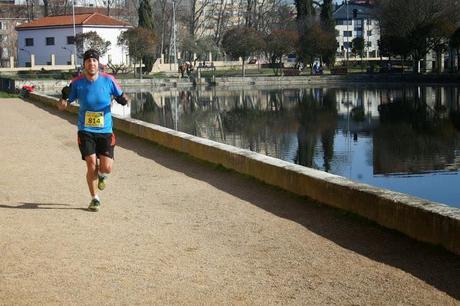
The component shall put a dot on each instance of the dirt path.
(172, 230)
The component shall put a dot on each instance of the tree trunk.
(140, 70)
(438, 62)
(45, 8)
(458, 60)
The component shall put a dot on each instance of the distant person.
(94, 91)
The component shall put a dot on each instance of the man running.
(94, 91)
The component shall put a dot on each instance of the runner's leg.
(91, 173)
(105, 164)
(105, 145)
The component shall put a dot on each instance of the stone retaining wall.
(420, 219)
(236, 82)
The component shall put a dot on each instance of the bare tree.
(163, 11)
(221, 21)
(198, 14)
(58, 7)
(425, 24)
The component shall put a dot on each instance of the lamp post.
(74, 33)
(348, 40)
(172, 45)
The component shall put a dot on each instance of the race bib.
(94, 119)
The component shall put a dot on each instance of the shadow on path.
(41, 206)
(434, 265)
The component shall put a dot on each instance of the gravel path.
(173, 230)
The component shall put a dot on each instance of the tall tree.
(197, 15)
(145, 13)
(242, 42)
(315, 43)
(140, 42)
(327, 20)
(279, 43)
(422, 23)
(305, 20)
(328, 24)
(305, 9)
(91, 40)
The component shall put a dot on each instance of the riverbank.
(47, 85)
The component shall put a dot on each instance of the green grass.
(4, 94)
(40, 75)
(159, 75)
(236, 72)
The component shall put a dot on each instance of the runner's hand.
(65, 92)
(122, 99)
(62, 104)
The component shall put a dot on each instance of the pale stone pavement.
(173, 230)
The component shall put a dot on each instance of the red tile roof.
(92, 19)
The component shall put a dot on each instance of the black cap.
(91, 53)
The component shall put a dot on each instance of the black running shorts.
(96, 143)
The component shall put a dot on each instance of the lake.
(401, 137)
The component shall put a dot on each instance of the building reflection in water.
(356, 132)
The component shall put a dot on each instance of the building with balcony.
(356, 19)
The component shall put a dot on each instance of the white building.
(356, 20)
(40, 38)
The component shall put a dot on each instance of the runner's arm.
(122, 99)
(62, 104)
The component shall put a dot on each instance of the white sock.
(104, 175)
(96, 197)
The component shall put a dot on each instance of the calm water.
(405, 139)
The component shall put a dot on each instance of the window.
(50, 41)
(70, 40)
(369, 33)
(369, 44)
(347, 45)
(29, 42)
(369, 22)
(347, 33)
(343, 22)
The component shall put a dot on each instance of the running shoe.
(101, 182)
(94, 205)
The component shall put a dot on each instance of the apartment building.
(356, 19)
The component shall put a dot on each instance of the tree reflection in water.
(414, 138)
(402, 130)
(317, 115)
